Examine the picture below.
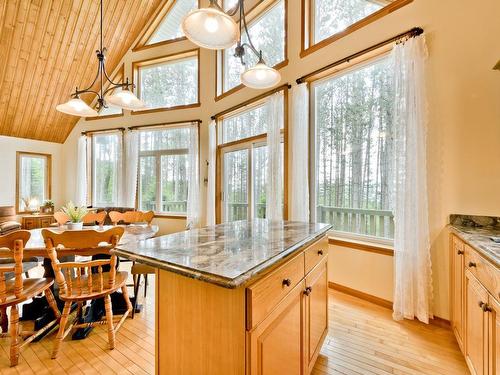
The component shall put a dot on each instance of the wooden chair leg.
(109, 319)
(145, 285)
(52, 303)
(4, 320)
(62, 326)
(136, 291)
(27, 275)
(14, 335)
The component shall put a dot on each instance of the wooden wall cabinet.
(475, 307)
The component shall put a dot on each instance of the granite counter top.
(476, 231)
(229, 254)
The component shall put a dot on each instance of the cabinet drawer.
(264, 295)
(315, 253)
(486, 273)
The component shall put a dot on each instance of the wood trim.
(159, 44)
(48, 182)
(305, 51)
(160, 59)
(105, 117)
(168, 216)
(363, 246)
(258, 9)
(164, 124)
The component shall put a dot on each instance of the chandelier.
(213, 28)
(120, 94)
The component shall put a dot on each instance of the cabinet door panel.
(476, 335)
(494, 337)
(275, 344)
(457, 319)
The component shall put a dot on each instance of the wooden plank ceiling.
(47, 48)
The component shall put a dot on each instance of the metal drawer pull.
(320, 252)
(308, 290)
(287, 282)
(460, 252)
(472, 264)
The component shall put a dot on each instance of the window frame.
(153, 26)
(340, 70)
(158, 154)
(48, 176)
(307, 43)
(136, 65)
(248, 143)
(253, 14)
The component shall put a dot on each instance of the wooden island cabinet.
(475, 292)
(272, 318)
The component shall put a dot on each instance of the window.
(268, 34)
(169, 82)
(328, 20)
(243, 157)
(170, 27)
(164, 169)
(352, 113)
(106, 158)
(33, 180)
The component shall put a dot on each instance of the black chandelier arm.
(116, 85)
(243, 22)
(77, 93)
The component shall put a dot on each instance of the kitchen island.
(247, 297)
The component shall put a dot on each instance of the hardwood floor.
(363, 339)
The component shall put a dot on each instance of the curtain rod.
(103, 130)
(250, 101)
(164, 124)
(410, 33)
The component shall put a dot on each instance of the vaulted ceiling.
(47, 48)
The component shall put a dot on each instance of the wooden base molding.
(358, 245)
(437, 321)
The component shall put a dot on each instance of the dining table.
(38, 310)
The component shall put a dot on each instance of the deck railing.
(378, 223)
(239, 211)
(177, 207)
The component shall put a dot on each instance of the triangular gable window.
(170, 27)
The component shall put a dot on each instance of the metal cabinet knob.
(308, 290)
(460, 252)
(472, 264)
(320, 252)
(287, 282)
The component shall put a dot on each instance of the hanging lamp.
(122, 97)
(213, 28)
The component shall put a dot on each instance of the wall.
(463, 129)
(8, 147)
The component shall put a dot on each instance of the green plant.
(48, 203)
(74, 213)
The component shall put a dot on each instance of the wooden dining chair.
(131, 217)
(83, 281)
(17, 290)
(61, 218)
(93, 218)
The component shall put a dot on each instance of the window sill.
(170, 216)
(362, 245)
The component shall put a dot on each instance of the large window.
(164, 169)
(33, 180)
(243, 157)
(106, 169)
(327, 20)
(267, 31)
(353, 137)
(169, 82)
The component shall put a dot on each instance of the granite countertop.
(229, 254)
(476, 231)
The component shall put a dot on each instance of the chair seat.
(85, 294)
(31, 288)
(142, 269)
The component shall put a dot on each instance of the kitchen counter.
(229, 254)
(476, 231)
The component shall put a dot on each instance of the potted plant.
(75, 215)
(48, 206)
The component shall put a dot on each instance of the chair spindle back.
(95, 217)
(15, 242)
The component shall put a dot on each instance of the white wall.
(8, 148)
(463, 129)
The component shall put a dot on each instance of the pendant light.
(213, 28)
(121, 97)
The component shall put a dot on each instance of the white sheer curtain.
(299, 171)
(81, 172)
(130, 166)
(274, 191)
(412, 259)
(193, 199)
(212, 149)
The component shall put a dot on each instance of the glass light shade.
(125, 99)
(210, 28)
(260, 76)
(76, 107)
